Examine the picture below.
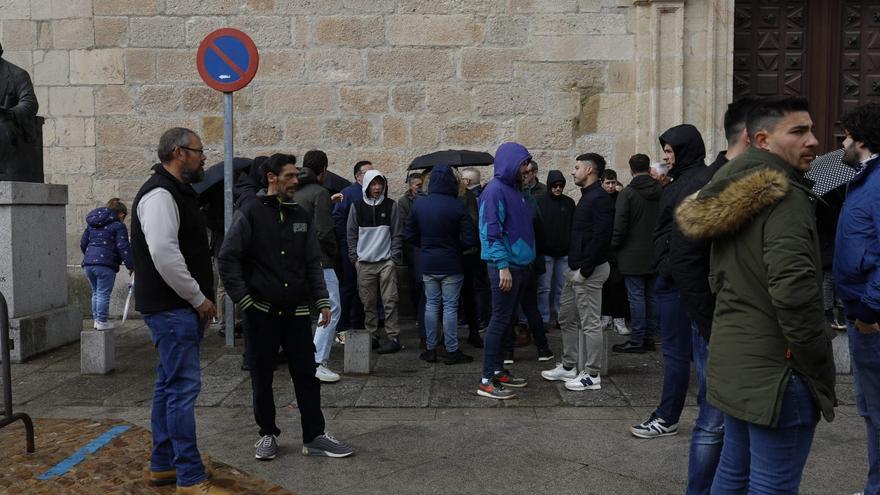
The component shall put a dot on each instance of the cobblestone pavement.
(117, 467)
(420, 428)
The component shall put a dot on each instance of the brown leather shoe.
(169, 477)
(523, 335)
(203, 488)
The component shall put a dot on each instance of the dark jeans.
(352, 309)
(708, 434)
(529, 306)
(865, 353)
(470, 300)
(264, 334)
(644, 316)
(675, 333)
(504, 306)
(763, 460)
(177, 335)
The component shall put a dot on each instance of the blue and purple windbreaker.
(507, 236)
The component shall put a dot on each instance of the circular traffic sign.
(227, 60)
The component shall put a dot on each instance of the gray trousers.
(375, 279)
(580, 311)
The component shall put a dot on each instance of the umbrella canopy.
(453, 158)
(828, 172)
(214, 174)
(334, 183)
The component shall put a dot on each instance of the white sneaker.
(325, 375)
(104, 325)
(559, 374)
(620, 326)
(584, 382)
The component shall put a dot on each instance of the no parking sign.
(227, 60)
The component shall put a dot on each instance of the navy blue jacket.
(350, 195)
(857, 251)
(591, 230)
(441, 226)
(105, 240)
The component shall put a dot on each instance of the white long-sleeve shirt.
(160, 222)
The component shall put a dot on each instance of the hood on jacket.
(726, 206)
(508, 158)
(307, 176)
(687, 143)
(443, 181)
(100, 217)
(647, 187)
(555, 176)
(368, 178)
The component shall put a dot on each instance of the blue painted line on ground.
(80, 455)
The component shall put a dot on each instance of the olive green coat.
(767, 275)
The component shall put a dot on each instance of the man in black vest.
(174, 292)
(270, 263)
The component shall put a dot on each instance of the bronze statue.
(21, 155)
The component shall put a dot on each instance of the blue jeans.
(177, 334)
(865, 353)
(675, 333)
(324, 335)
(550, 286)
(763, 460)
(708, 434)
(504, 305)
(643, 310)
(101, 278)
(442, 290)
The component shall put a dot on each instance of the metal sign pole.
(228, 151)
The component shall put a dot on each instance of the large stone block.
(507, 30)
(395, 132)
(202, 7)
(101, 66)
(435, 30)
(616, 112)
(71, 160)
(260, 132)
(15, 9)
(423, 64)
(266, 31)
(540, 6)
(126, 7)
(198, 27)
(122, 161)
(448, 98)
(542, 132)
(51, 67)
(73, 33)
(167, 32)
(334, 64)
(133, 130)
(177, 65)
(358, 31)
(489, 63)
(370, 6)
(287, 65)
(159, 98)
(303, 7)
(357, 352)
(60, 9)
(97, 354)
(470, 133)
(582, 47)
(579, 24)
(311, 99)
(348, 132)
(408, 98)
(140, 65)
(562, 75)
(303, 131)
(19, 34)
(113, 100)
(452, 6)
(43, 331)
(111, 32)
(71, 100)
(506, 99)
(363, 99)
(75, 131)
(426, 132)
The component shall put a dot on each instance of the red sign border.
(245, 78)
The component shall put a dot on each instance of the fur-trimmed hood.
(731, 201)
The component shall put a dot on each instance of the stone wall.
(383, 80)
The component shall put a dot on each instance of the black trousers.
(264, 334)
(529, 305)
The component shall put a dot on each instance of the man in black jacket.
(557, 210)
(270, 263)
(581, 299)
(635, 216)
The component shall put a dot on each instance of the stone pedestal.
(33, 273)
(357, 351)
(97, 352)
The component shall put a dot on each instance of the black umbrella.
(453, 158)
(334, 183)
(828, 172)
(214, 174)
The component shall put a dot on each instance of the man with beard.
(175, 292)
(270, 263)
(857, 271)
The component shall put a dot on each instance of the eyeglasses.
(557, 186)
(197, 150)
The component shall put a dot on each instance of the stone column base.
(358, 345)
(40, 332)
(97, 352)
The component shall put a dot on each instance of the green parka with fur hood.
(767, 275)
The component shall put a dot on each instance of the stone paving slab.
(118, 467)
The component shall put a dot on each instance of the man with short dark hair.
(270, 263)
(312, 197)
(771, 367)
(174, 292)
(531, 184)
(857, 271)
(581, 300)
(352, 309)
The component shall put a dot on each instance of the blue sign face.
(227, 60)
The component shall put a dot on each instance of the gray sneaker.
(267, 448)
(328, 446)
